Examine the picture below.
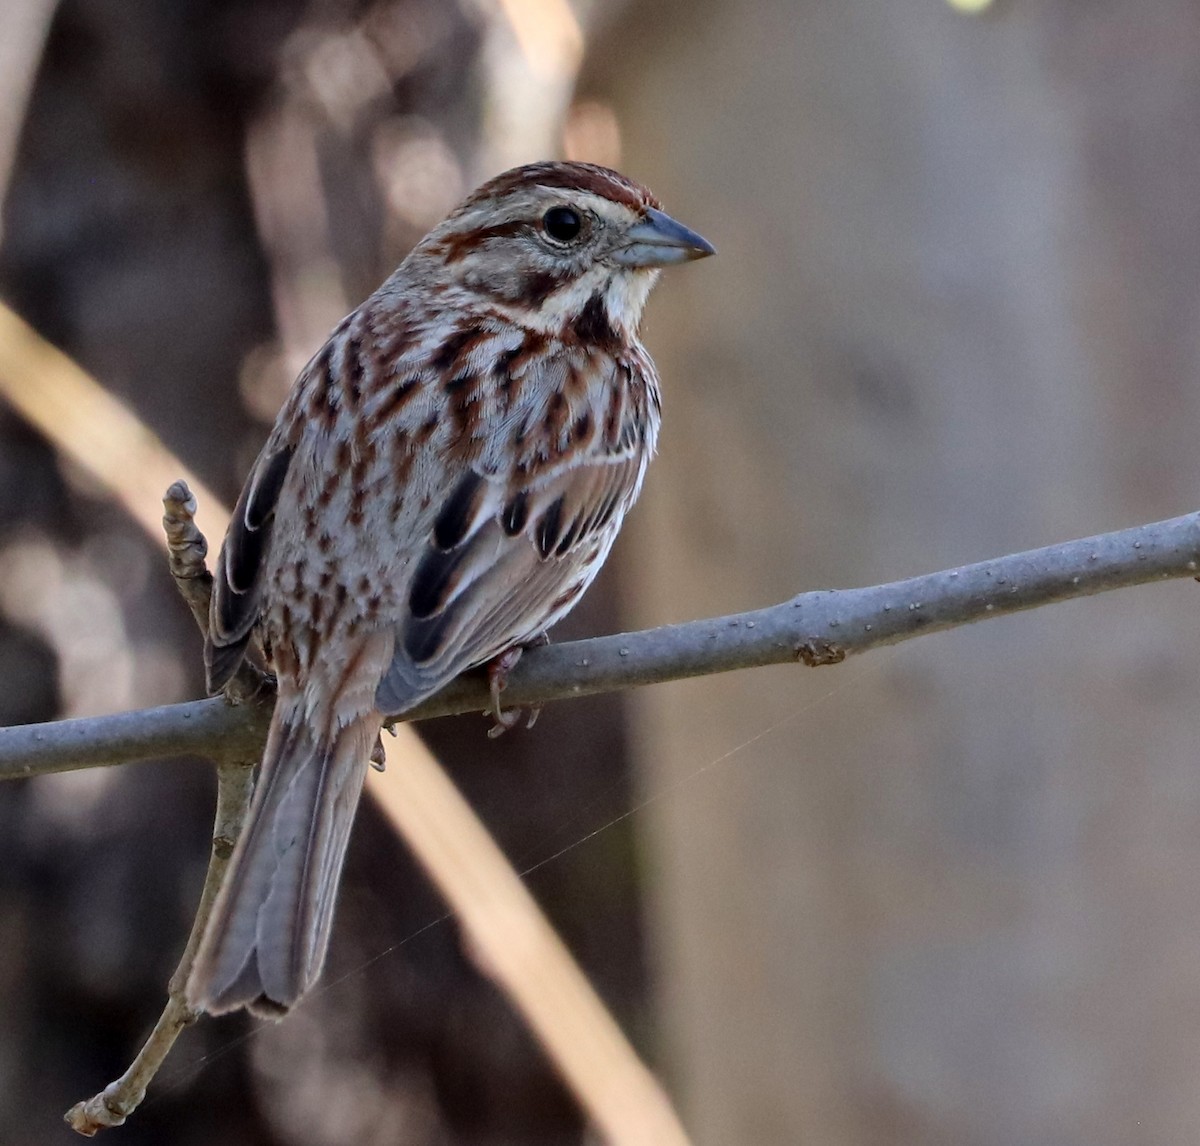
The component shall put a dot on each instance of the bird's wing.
(237, 585)
(508, 556)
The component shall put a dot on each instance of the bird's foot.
(498, 670)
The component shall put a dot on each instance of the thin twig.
(120, 1098)
(187, 549)
(186, 552)
(817, 628)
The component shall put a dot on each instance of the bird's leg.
(498, 669)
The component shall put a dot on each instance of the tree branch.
(817, 628)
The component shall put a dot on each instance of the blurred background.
(947, 893)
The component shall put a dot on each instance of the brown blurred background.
(951, 893)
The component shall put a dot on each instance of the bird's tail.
(266, 939)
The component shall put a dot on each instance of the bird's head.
(554, 244)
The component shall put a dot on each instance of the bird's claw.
(378, 758)
(498, 670)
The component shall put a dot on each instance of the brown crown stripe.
(586, 177)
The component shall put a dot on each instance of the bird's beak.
(659, 241)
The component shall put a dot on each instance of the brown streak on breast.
(328, 489)
(353, 363)
(465, 410)
(426, 429)
(402, 463)
(451, 357)
(390, 334)
(513, 366)
(361, 467)
(557, 413)
(576, 385)
(399, 397)
(581, 431)
(323, 405)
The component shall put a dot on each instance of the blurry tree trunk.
(952, 894)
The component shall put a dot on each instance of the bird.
(442, 483)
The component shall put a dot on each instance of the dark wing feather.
(236, 587)
(513, 571)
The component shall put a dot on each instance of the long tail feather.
(270, 926)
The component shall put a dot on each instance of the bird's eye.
(562, 224)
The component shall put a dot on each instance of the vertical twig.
(111, 1106)
(186, 552)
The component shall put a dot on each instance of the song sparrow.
(442, 484)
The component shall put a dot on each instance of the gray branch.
(818, 628)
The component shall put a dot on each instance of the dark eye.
(562, 224)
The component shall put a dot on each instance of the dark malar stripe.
(593, 329)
